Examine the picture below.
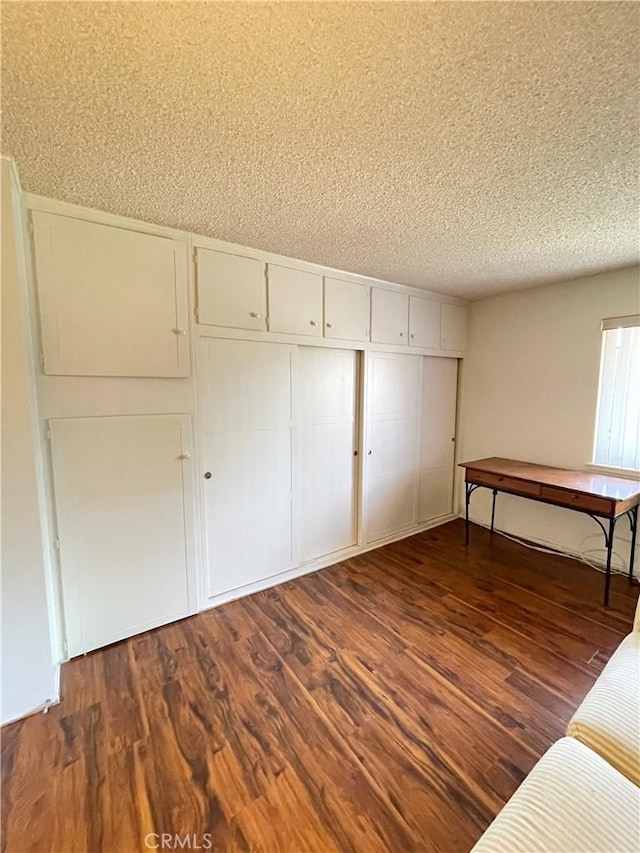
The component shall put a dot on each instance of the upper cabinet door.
(453, 327)
(424, 323)
(347, 310)
(295, 301)
(389, 316)
(112, 302)
(232, 290)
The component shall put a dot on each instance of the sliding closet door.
(437, 448)
(326, 442)
(245, 413)
(392, 444)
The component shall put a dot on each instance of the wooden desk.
(596, 495)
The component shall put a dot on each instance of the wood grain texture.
(392, 702)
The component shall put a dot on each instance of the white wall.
(29, 677)
(529, 392)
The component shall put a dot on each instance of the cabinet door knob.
(180, 331)
(184, 456)
(329, 325)
(254, 315)
(412, 336)
(402, 334)
(313, 322)
(207, 475)
(369, 452)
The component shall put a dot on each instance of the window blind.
(617, 439)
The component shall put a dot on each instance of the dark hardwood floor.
(391, 702)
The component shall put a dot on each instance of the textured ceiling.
(469, 148)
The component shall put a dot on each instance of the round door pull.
(355, 452)
(369, 452)
(207, 475)
(329, 325)
(254, 315)
(402, 334)
(313, 322)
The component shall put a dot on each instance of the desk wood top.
(602, 485)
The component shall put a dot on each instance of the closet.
(278, 437)
(218, 419)
(410, 441)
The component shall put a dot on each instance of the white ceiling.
(470, 148)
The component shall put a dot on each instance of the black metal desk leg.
(469, 489)
(493, 508)
(609, 544)
(633, 521)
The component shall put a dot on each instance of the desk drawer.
(503, 484)
(575, 500)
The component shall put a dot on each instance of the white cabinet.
(113, 302)
(424, 322)
(232, 290)
(347, 310)
(437, 432)
(453, 327)
(245, 413)
(124, 507)
(392, 444)
(326, 439)
(295, 301)
(389, 316)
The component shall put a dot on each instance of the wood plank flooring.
(392, 702)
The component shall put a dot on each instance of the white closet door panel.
(424, 322)
(438, 424)
(295, 301)
(232, 290)
(395, 386)
(391, 504)
(246, 435)
(112, 302)
(124, 506)
(392, 444)
(326, 436)
(389, 316)
(247, 385)
(248, 507)
(327, 383)
(436, 493)
(347, 310)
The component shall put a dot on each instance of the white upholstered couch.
(583, 796)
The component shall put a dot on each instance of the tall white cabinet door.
(389, 316)
(437, 433)
(112, 302)
(124, 507)
(347, 310)
(326, 440)
(392, 444)
(295, 301)
(245, 412)
(453, 327)
(232, 290)
(424, 322)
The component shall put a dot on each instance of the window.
(617, 441)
